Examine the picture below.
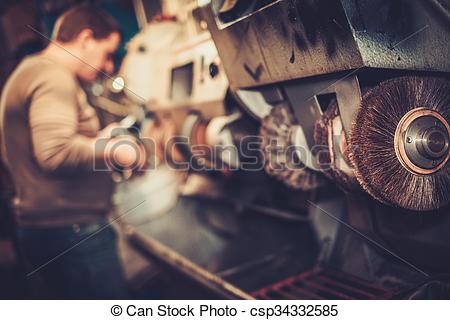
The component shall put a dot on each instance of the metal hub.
(422, 141)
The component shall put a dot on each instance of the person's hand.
(126, 153)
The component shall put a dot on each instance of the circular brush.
(333, 158)
(200, 150)
(400, 142)
(280, 160)
(194, 128)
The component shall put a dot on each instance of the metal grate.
(323, 284)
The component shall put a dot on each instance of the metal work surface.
(246, 249)
(248, 255)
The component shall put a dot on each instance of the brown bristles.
(372, 152)
(322, 131)
(279, 159)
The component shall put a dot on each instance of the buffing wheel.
(279, 157)
(333, 158)
(400, 143)
(194, 128)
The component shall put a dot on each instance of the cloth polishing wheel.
(194, 128)
(171, 152)
(399, 142)
(280, 159)
(333, 157)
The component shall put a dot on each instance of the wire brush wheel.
(279, 157)
(329, 134)
(400, 142)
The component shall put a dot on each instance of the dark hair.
(73, 21)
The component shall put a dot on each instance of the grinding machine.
(332, 180)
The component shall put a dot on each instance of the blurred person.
(49, 133)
